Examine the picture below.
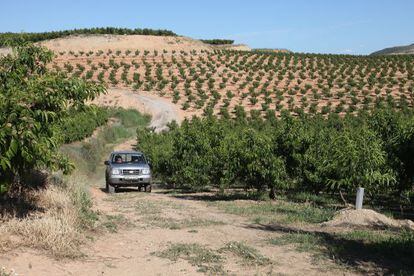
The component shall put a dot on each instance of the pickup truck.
(126, 169)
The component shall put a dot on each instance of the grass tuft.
(304, 242)
(6, 272)
(248, 254)
(112, 222)
(197, 255)
(175, 224)
(280, 212)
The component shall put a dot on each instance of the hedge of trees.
(7, 38)
(304, 153)
(79, 124)
(217, 41)
(33, 101)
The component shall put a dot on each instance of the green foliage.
(159, 149)
(32, 102)
(80, 124)
(304, 153)
(282, 212)
(212, 152)
(130, 117)
(217, 41)
(345, 159)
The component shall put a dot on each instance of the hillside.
(114, 42)
(204, 80)
(398, 50)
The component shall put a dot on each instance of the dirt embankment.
(124, 42)
(351, 218)
(234, 47)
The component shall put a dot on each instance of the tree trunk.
(272, 193)
(342, 197)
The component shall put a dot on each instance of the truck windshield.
(122, 158)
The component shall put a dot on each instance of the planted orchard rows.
(223, 81)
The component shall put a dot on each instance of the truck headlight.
(116, 171)
(146, 171)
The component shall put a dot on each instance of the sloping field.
(205, 81)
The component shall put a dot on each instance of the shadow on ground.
(389, 256)
(211, 196)
(17, 207)
(19, 201)
(123, 190)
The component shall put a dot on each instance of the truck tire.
(110, 189)
(148, 188)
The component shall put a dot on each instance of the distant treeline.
(12, 38)
(217, 41)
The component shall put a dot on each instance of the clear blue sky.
(323, 26)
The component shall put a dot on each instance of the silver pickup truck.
(126, 169)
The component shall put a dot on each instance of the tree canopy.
(32, 101)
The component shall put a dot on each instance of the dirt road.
(161, 109)
(139, 227)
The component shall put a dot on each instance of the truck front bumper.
(129, 180)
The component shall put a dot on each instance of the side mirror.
(106, 162)
(149, 164)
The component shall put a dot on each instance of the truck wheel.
(148, 188)
(110, 189)
(139, 188)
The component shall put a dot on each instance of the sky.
(311, 26)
